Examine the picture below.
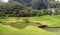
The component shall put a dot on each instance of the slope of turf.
(29, 30)
(49, 20)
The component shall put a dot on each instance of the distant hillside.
(42, 3)
(28, 2)
(38, 4)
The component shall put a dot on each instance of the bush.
(41, 12)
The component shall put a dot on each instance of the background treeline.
(16, 9)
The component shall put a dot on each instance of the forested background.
(28, 8)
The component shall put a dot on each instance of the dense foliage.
(16, 9)
(13, 9)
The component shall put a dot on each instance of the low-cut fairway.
(48, 20)
(28, 29)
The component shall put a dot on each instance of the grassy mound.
(13, 25)
(29, 30)
(48, 20)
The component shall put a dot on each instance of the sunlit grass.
(29, 30)
(49, 20)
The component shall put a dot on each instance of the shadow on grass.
(20, 25)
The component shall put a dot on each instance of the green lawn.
(29, 30)
(49, 20)
(13, 28)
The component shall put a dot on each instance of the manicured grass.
(48, 20)
(15, 27)
(29, 30)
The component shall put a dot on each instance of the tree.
(39, 4)
(14, 9)
(9, 9)
(27, 2)
(54, 5)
